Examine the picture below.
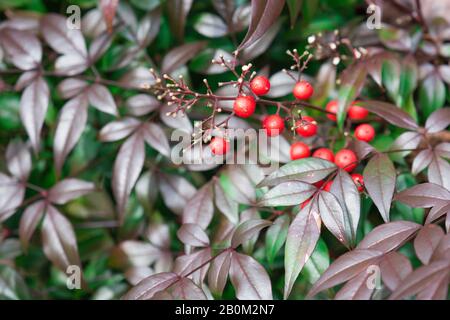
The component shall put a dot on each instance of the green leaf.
(318, 263)
(294, 9)
(390, 77)
(276, 236)
(431, 94)
(408, 81)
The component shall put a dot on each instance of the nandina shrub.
(353, 204)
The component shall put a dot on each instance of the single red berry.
(346, 159)
(365, 132)
(299, 150)
(303, 90)
(306, 127)
(260, 85)
(358, 180)
(324, 153)
(356, 112)
(244, 106)
(219, 146)
(305, 203)
(328, 186)
(273, 125)
(332, 106)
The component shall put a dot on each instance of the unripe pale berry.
(219, 146)
(303, 90)
(324, 153)
(365, 132)
(356, 112)
(299, 150)
(273, 125)
(346, 159)
(358, 180)
(306, 127)
(260, 85)
(244, 106)
(332, 107)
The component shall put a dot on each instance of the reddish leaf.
(439, 172)
(177, 192)
(247, 230)
(395, 267)
(101, 99)
(346, 267)
(191, 234)
(390, 113)
(303, 234)
(249, 278)
(361, 148)
(118, 130)
(407, 140)
(69, 189)
(426, 241)
(356, 289)
(22, 48)
(29, 221)
(443, 150)
(179, 56)
(389, 236)
(58, 240)
(185, 289)
(154, 135)
(179, 122)
(159, 235)
(127, 167)
(99, 46)
(186, 264)
(218, 273)
(18, 159)
(71, 123)
(264, 15)
(438, 120)
(421, 161)
(142, 104)
(109, 8)
(424, 195)
(438, 211)
(33, 108)
(442, 252)
(148, 287)
(379, 180)
(436, 289)
(200, 209)
(134, 253)
(178, 12)
(287, 194)
(12, 194)
(70, 87)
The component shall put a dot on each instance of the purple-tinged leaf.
(178, 12)
(439, 172)
(261, 45)
(22, 48)
(134, 253)
(101, 99)
(308, 170)
(379, 179)
(148, 287)
(287, 194)
(159, 235)
(147, 189)
(426, 241)
(264, 15)
(218, 272)
(394, 267)
(357, 288)
(443, 150)
(92, 23)
(25, 79)
(210, 25)
(58, 240)
(149, 27)
(249, 279)
(438, 120)
(179, 56)
(186, 264)
(176, 192)
(421, 161)
(420, 279)
(127, 167)
(71, 87)
(348, 196)
(155, 137)
(247, 230)
(118, 130)
(442, 252)
(141, 104)
(389, 236)
(302, 237)
(225, 203)
(12, 194)
(276, 237)
(437, 289)
(185, 289)
(191, 234)
(71, 123)
(33, 108)
(99, 46)
(407, 140)
(30, 220)
(137, 78)
(134, 275)
(346, 267)
(438, 211)
(424, 195)
(390, 113)
(361, 148)
(180, 122)
(18, 159)
(109, 8)
(69, 189)
(200, 209)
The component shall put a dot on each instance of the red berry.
(324, 153)
(365, 132)
(305, 203)
(356, 112)
(260, 85)
(346, 159)
(332, 106)
(306, 127)
(244, 106)
(273, 124)
(303, 90)
(219, 146)
(299, 150)
(358, 180)
(328, 186)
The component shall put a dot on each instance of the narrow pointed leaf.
(247, 230)
(69, 189)
(29, 221)
(200, 209)
(287, 194)
(191, 234)
(427, 240)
